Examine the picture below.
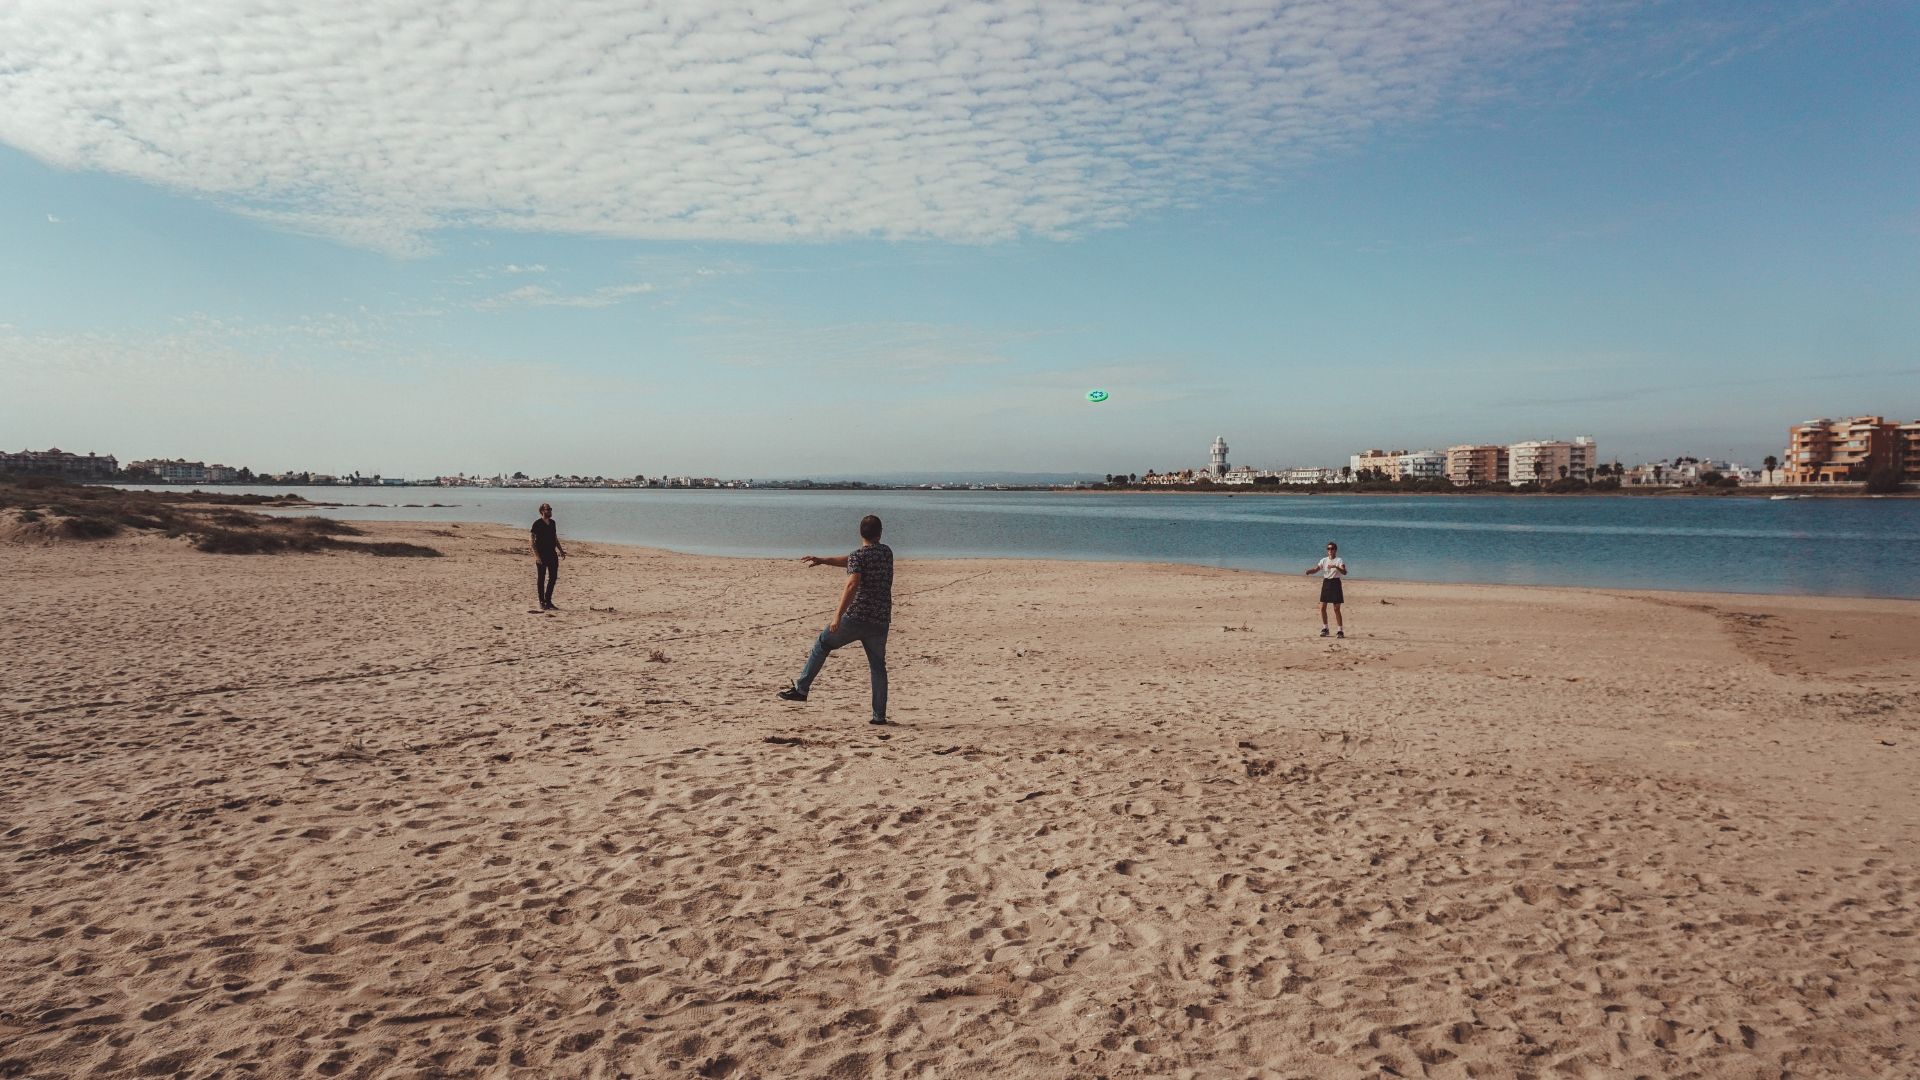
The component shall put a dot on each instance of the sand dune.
(343, 816)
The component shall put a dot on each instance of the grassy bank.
(215, 523)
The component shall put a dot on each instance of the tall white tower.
(1219, 467)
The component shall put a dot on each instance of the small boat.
(1777, 498)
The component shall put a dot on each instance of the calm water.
(1850, 547)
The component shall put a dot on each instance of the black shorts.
(1330, 591)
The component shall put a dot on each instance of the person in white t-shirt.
(1331, 570)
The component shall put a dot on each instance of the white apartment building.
(177, 471)
(1548, 460)
(1538, 460)
(1422, 464)
(1399, 464)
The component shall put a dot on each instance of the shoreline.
(1480, 547)
(1089, 563)
(1632, 492)
(1797, 491)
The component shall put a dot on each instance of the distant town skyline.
(1850, 450)
(913, 237)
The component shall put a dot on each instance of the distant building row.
(58, 462)
(521, 480)
(181, 471)
(1849, 451)
(1487, 463)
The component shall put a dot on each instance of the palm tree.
(1346, 473)
(1563, 472)
(1771, 463)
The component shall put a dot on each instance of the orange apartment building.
(1477, 464)
(1387, 462)
(1844, 451)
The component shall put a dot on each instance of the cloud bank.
(379, 121)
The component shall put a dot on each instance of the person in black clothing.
(864, 615)
(1332, 570)
(547, 554)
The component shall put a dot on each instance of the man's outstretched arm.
(825, 560)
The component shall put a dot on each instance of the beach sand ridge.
(349, 816)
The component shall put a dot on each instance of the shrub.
(392, 549)
(1883, 480)
(30, 515)
(250, 542)
(90, 528)
(319, 526)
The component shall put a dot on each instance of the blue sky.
(875, 237)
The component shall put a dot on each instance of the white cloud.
(541, 296)
(516, 268)
(51, 220)
(378, 121)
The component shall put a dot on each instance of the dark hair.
(870, 528)
(1333, 545)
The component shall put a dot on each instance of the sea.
(1832, 547)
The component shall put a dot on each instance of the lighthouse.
(1219, 454)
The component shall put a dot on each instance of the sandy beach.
(340, 815)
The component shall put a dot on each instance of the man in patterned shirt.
(865, 612)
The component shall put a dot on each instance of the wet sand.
(347, 816)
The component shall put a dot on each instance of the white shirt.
(1331, 567)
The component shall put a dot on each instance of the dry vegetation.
(211, 522)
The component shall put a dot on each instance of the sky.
(863, 237)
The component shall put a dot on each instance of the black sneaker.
(793, 693)
(880, 721)
(1342, 633)
(1323, 631)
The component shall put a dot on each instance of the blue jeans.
(872, 638)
